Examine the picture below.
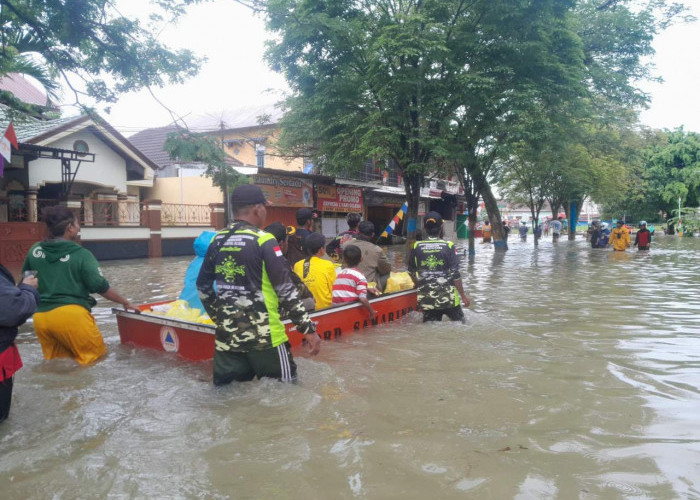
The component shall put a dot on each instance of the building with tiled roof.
(24, 90)
(80, 158)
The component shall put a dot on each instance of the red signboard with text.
(339, 198)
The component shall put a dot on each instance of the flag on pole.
(8, 140)
(392, 225)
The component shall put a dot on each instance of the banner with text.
(339, 198)
(285, 191)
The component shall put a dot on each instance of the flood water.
(577, 376)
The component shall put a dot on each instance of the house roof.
(24, 90)
(45, 132)
(151, 142)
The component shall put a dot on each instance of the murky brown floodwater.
(578, 376)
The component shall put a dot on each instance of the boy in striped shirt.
(350, 284)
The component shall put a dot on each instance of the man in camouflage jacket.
(243, 282)
(434, 267)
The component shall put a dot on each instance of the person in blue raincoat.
(189, 293)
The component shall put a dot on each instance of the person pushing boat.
(252, 282)
(434, 267)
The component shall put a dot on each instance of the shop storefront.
(334, 203)
(286, 195)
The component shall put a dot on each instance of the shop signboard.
(285, 191)
(339, 198)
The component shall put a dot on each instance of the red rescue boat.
(195, 341)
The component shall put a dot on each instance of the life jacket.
(643, 238)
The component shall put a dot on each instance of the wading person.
(556, 228)
(243, 283)
(68, 274)
(522, 229)
(642, 240)
(17, 304)
(317, 273)
(375, 266)
(434, 267)
(486, 232)
(619, 237)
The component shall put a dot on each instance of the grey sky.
(235, 74)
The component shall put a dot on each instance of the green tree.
(88, 45)
(368, 80)
(672, 171)
(187, 147)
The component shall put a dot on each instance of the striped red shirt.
(349, 286)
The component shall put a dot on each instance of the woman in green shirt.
(69, 274)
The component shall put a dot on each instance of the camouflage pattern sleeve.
(412, 270)
(279, 274)
(205, 281)
(453, 261)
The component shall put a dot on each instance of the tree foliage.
(187, 147)
(88, 45)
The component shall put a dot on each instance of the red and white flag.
(9, 139)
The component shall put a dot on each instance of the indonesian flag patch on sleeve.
(278, 252)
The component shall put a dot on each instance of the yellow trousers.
(69, 332)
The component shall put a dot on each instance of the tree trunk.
(472, 205)
(412, 185)
(570, 217)
(499, 242)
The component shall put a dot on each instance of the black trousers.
(454, 313)
(5, 397)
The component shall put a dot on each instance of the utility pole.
(227, 208)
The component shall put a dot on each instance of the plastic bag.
(398, 281)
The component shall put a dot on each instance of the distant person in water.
(619, 237)
(642, 239)
(522, 229)
(556, 228)
(603, 236)
(594, 233)
(434, 267)
(486, 232)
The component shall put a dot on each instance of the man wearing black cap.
(252, 283)
(295, 241)
(434, 267)
(374, 265)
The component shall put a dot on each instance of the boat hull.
(195, 341)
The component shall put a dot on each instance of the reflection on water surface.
(577, 376)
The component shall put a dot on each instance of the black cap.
(247, 194)
(366, 227)
(432, 219)
(314, 242)
(305, 214)
(278, 230)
